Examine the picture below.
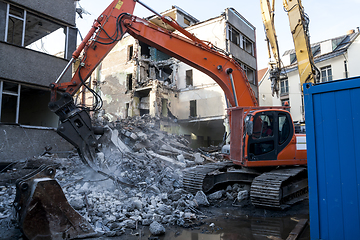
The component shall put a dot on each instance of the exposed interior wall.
(111, 80)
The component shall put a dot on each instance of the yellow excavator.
(299, 26)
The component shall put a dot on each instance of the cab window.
(284, 128)
(263, 126)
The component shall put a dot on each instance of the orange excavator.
(267, 158)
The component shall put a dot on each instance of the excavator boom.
(299, 26)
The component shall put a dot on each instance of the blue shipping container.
(332, 112)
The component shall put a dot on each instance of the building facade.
(136, 79)
(336, 58)
(31, 33)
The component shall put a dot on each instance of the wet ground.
(220, 222)
(228, 222)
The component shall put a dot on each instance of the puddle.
(231, 228)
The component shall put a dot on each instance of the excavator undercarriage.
(279, 188)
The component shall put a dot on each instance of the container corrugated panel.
(332, 112)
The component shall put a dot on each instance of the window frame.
(24, 20)
(193, 108)
(241, 41)
(285, 87)
(17, 95)
(327, 77)
(189, 78)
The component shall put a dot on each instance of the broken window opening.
(248, 46)
(144, 104)
(33, 32)
(129, 82)
(193, 108)
(130, 52)
(127, 106)
(33, 109)
(144, 49)
(189, 78)
(9, 109)
(250, 73)
(163, 73)
(9, 102)
(25, 105)
(15, 26)
(164, 108)
(157, 55)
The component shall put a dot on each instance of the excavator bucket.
(43, 211)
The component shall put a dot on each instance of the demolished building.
(136, 79)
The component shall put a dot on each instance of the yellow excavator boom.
(299, 26)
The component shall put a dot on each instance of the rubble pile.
(140, 183)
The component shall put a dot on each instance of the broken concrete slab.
(117, 141)
(167, 160)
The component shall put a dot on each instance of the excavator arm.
(75, 123)
(299, 26)
(299, 22)
(267, 14)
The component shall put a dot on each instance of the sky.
(328, 18)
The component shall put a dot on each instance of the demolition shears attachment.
(75, 126)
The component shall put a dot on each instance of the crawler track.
(193, 178)
(279, 188)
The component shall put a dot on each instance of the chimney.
(350, 32)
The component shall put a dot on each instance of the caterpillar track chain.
(279, 188)
(193, 178)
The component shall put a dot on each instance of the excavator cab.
(272, 132)
(268, 137)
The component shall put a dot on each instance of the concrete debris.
(156, 228)
(216, 195)
(167, 160)
(152, 195)
(201, 199)
(242, 195)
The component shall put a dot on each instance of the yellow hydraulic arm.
(267, 13)
(299, 26)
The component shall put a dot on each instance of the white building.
(336, 58)
(202, 103)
